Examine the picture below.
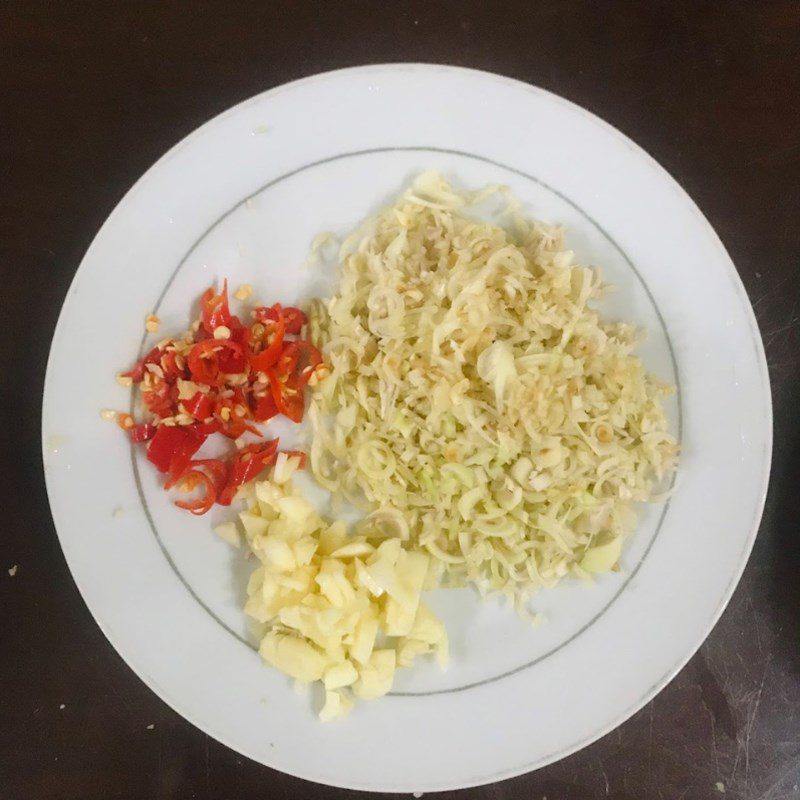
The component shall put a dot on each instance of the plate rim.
(731, 272)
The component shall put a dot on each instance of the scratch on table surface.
(773, 334)
(735, 765)
(713, 696)
(714, 738)
(788, 744)
(604, 774)
(760, 299)
(756, 627)
(751, 721)
(769, 793)
(791, 362)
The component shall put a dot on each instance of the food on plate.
(478, 406)
(467, 398)
(221, 376)
(340, 609)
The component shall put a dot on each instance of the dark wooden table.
(91, 93)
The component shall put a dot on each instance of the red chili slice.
(169, 365)
(241, 335)
(208, 428)
(171, 448)
(262, 361)
(231, 358)
(199, 406)
(264, 407)
(266, 313)
(136, 373)
(228, 410)
(289, 401)
(236, 428)
(298, 360)
(142, 432)
(246, 465)
(159, 400)
(215, 308)
(183, 453)
(217, 468)
(295, 319)
(225, 407)
(204, 362)
(202, 504)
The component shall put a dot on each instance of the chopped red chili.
(221, 377)
(202, 504)
(142, 432)
(274, 332)
(246, 465)
(288, 400)
(215, 308)
(295, 319)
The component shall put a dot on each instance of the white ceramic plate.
(242, 197)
